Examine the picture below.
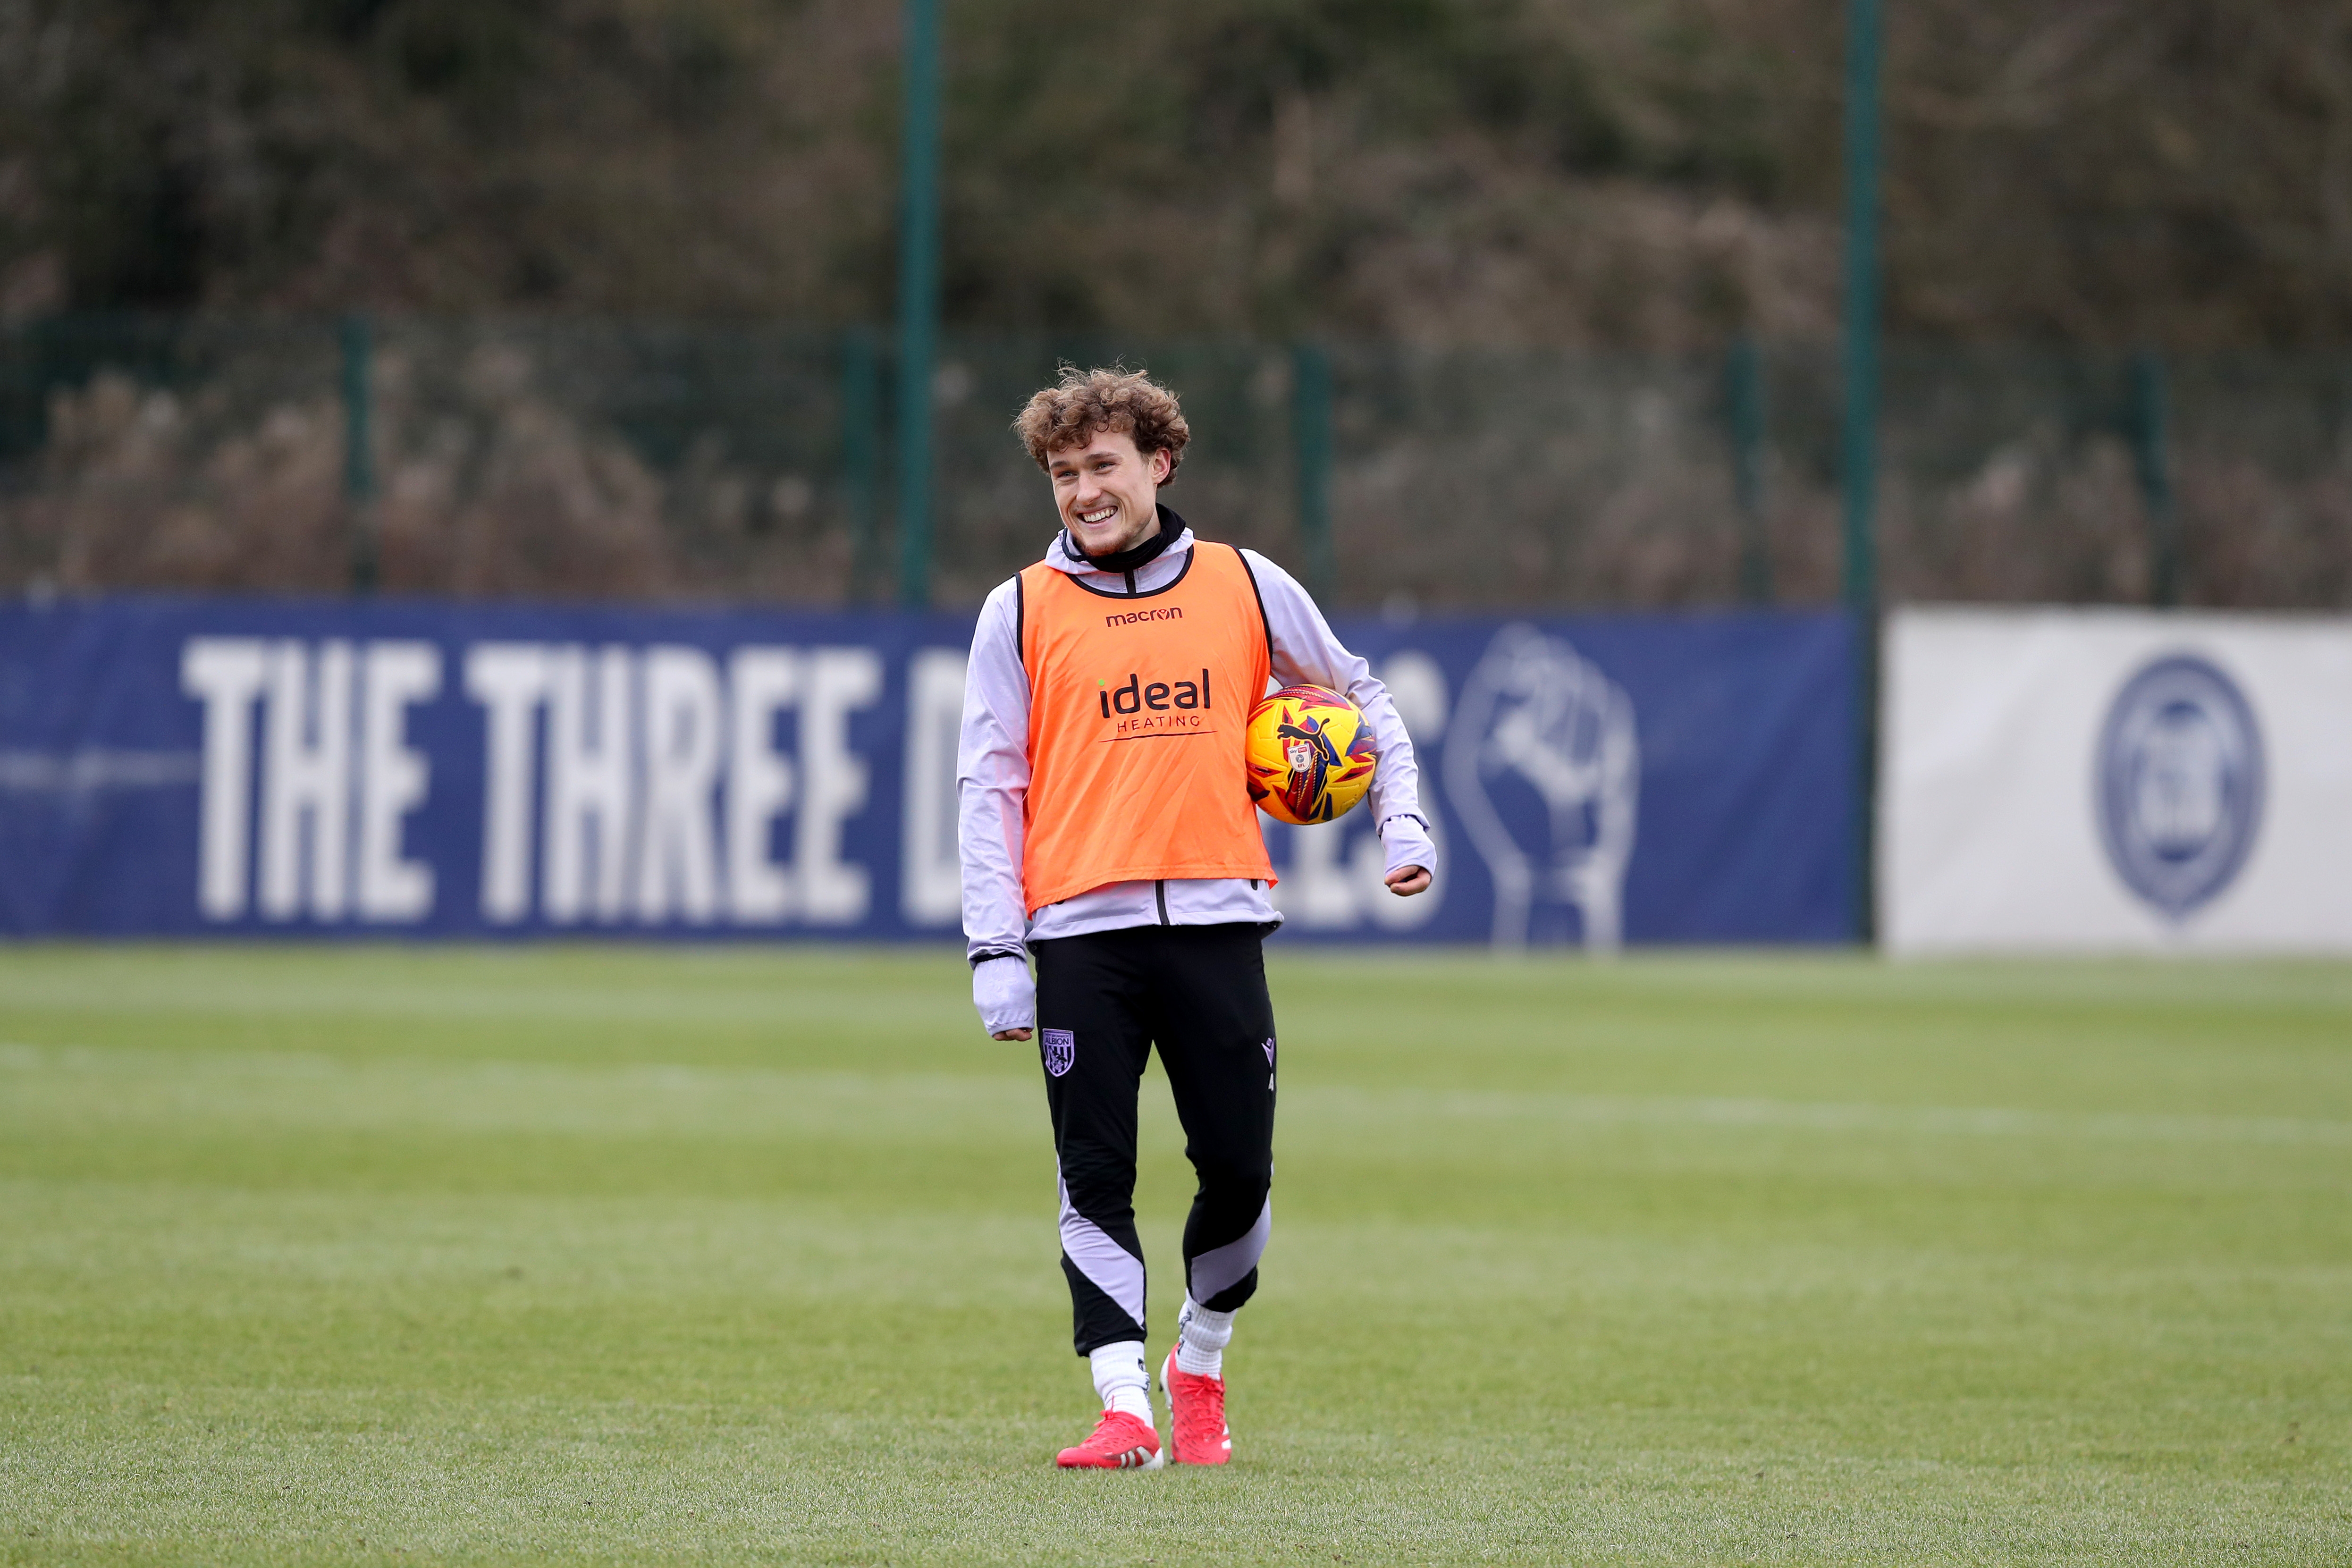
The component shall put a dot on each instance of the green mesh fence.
(170, 453)
(599, 459)
(645, 461)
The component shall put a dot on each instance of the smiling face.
(1107, 491)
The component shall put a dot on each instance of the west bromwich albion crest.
(1061, 1050)
(2180, 783)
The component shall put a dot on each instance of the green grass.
(403, 1256)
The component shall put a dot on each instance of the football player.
(1107, 830)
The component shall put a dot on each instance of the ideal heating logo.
(1156, 707)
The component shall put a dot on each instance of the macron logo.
(1172, 612)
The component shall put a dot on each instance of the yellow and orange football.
(1311, 756)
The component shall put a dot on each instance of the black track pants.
(1103, 1002)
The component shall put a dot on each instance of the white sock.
(1120, 1379)
(1201, 1339)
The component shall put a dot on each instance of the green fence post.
(2150, 438)
(1859, 453)
(1744, 376)
(861, 457)
(918, 296)
(1310, 392)
(359, 456)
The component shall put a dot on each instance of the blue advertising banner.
(182, 767)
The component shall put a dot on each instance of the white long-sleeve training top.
(993, 764)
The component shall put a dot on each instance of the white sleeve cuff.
(1407, 841)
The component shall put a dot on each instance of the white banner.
(2114, 780)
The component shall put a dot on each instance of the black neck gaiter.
(1128, 560)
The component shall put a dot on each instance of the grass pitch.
(404, 1256)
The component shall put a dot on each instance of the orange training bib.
(1139, 714)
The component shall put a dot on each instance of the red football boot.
(1120, 1442)
(1196, 1414)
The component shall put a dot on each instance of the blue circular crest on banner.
(2181, 783)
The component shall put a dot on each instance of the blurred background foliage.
(1649, 174)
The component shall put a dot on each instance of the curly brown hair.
(1084, 403)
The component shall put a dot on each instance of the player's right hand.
(1006, 995)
